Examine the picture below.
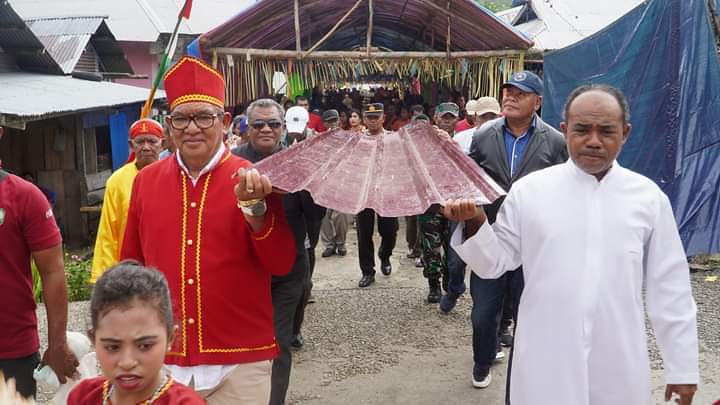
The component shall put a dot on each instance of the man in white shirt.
(481, 110)
(592, 236)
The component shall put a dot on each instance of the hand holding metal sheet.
(251, 185)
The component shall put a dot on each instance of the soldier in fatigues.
(434, 227)
(435, 238)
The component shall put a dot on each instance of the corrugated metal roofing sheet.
(472, 27)
(561, 23)
(137, 20)
(31, 96)
(65, 38)
(18, 40)
(397, 174)
(510, 14)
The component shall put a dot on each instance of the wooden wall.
(49, 150)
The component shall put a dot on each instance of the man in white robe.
(592, 236)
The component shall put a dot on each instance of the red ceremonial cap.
(192, 79)
(145, 126)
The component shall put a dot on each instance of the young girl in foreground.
(132, 328)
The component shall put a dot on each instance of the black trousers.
(313, 231)
(287, 294)
(387, 227)
(21, 370)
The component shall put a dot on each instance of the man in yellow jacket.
(145, 145)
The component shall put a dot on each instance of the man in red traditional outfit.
(218, 234)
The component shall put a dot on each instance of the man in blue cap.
(508, 149)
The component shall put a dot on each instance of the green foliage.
(495, 5)
(77, 277)
(37, 285)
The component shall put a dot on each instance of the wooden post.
(332, 30)
(298, 46)
(447, 40)
(368, 43)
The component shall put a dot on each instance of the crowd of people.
(202, 273)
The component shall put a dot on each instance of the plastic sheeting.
(662, 56)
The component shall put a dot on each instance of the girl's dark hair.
(126, 281)
(356, 111)
(605, 88)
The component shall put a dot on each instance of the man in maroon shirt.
(28, 230)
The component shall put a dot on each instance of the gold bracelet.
(248, 203)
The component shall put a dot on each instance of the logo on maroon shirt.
(2, 216)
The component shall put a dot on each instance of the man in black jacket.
(265, 120)
(507, 149)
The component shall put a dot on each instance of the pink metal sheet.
(396, 174)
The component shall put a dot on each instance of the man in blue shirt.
(508, 149)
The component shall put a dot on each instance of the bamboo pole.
(370, 28)
(447, 39)
(298, 46)
(333, 29)
(285, 54)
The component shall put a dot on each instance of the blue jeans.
(456, 267)
(488, 296)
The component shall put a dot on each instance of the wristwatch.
(253, 208)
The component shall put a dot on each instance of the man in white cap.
(296, 124)
(479, 112)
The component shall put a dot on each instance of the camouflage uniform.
(435, 244)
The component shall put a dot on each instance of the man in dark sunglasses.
(265, 118)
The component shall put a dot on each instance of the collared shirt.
(209, 166)
(596, 257)
(27, 225)
(515, 146)
(204, 377)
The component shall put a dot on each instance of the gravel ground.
(354, 332)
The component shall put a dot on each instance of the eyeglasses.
(260, 124)
(202, 121)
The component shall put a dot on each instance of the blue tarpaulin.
(662, 56)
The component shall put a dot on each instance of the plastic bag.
(47, 380)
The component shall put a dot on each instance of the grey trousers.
(334, 229)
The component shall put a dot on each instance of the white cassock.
(588, 249)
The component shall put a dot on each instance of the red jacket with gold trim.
(218, 269)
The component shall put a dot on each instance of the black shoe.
(506, 339)
(385, 267)
(329, 251)
(298, 342)
(435, 294)
(448, 302)
(481, 378)
(341, 251)
(366, 280)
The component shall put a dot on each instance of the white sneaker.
(499, 355)
(484, 383)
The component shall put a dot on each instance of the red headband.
(145, 126)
